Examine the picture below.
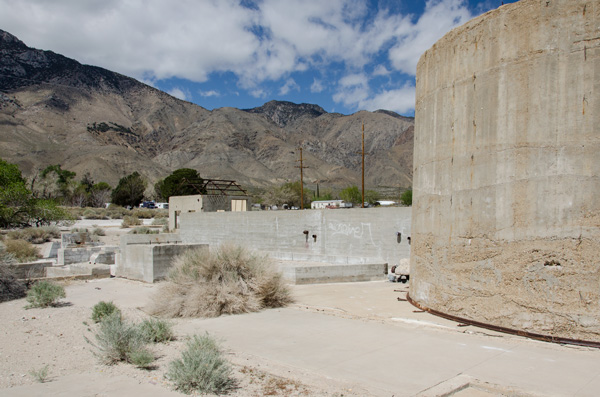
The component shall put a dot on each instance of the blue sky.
(344, 55)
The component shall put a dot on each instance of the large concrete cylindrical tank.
(506, 213)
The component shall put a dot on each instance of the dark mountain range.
(54, 110)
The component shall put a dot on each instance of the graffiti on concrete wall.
(362, 232)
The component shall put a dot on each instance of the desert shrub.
(201, 368)
(117, 212)
(156, 331)
(141, 358)
(98, 231)
(103, 309)
(44, 294)
(160, 221)
(10, 287)
(144, 230)
(143, 213)
(161, 213)
(91, 213)
(228, 280)
(22, 250)
(129, 221)
(35, 235)
(40, 375)
(117, 340)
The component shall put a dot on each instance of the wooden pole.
(302, 167)
(363, 165)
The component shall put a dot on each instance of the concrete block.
(150, 262)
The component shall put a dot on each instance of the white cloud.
(209, 93)
(290, 84)
(179, 93)
(316, 86)
(439, 17)
(154, 40)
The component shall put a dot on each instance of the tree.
(179, 184)
(18, 206)
(371, 196)
(62, 179)
(351, 195)
(100, 194)
(406, 198)
(129, 191)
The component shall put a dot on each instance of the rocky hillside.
(54, 110)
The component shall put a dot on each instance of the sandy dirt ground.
(56, 337)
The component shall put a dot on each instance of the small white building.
(322, 204)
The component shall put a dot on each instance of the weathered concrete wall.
(124, 267)
(99, 254)
(352, 236)
(30, 270)
(506, 215)
(151, 262)
(202, 203)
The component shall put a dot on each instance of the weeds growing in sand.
(44, 294)
(228, 280)
(201, 368)
(103, 309)
(40, 375)
(22, 250)
(117, 340)
(35, 235)
(144, 230)
(156, 331)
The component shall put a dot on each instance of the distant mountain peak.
(283, 113)
(8, 41)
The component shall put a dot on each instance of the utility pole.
(302, 167)
(363, 165)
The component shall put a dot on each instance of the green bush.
(103, 309)
(228, 280)
(406, 198)
(117, 212)
(156, 331)
(116, 341)
(35, 235)
(201, 368)
(22, 250)
(129, 221)
(44, 294)
(141, 358)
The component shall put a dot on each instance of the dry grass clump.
(144, 230)
(227, 280)
(129, 221)
(35, 235)
(22, 250)
(143, 213)
(10, 287)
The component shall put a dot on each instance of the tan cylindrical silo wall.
(506, 210)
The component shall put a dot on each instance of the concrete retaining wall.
(30, 270)
(101, 254)
(315, 274)
(343, 236)
(506, 215)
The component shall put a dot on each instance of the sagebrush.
(103, 309)
(201, 368)
(44, 294)
(227, 280)
(117, 340)
(156, 331)
(129, 221)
